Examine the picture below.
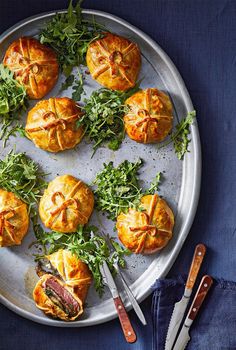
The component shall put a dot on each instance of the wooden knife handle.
(129, 333)
(201, 293)
(198, 256)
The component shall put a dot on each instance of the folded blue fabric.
(215, 325)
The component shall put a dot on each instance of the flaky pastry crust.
(65, 204)
(150, 116)
(147, 231)
(51, 124)
(73, 271)
(44, 303)
(34, 65)
(14, 219)
(114, 62)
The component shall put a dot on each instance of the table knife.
(180, 307)
(108, 280)
(201, 293)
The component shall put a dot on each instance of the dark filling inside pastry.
(61, 297)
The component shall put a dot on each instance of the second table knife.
(202, 291)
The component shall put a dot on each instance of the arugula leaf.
(103, 118)
(84, 247)
(154, 186)
(69, 34)
(13, 101)
(118, 189)
(180, 137)
(21, 175)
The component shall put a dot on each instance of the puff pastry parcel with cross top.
(14, 219)
(114, 62)
(63, 296)
(34, 65)
(65, 204)
(146, 231)
(150, 116)
(51, 124)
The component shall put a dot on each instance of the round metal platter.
(180, 186)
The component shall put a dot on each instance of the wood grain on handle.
(202, 291)
(198, 256)
(129, 333)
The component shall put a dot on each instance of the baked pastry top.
(148, 230)
(73, 271)
(51, 124)
(114, 62)
(150, 116)
(14, 219)
(65, 204)
(34, 65)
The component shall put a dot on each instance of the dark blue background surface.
(200, 38)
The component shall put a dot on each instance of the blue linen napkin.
(215, 325)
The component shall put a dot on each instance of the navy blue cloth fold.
(215, 325)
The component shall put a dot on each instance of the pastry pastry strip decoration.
(5, 215)
(143, 231)
(67, 202)
(113, 61)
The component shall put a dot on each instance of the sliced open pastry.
(56, 299)
(148, 230)
(150, 116)
(65, 204)
(62, 295)
(114, 62)
(34, 65)
(73, 271)
(14, 219)
(51, 124)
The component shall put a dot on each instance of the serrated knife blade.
(176, 319)
(180, 306)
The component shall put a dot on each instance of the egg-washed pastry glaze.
(65, 204)
(148, 230)
(150, 116)
(72, 270)
(14, 219)
(51, 124)
(56, 299)
(34, 65)
(114, 62)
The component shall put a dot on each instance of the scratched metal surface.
(180, 186)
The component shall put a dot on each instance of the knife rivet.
(129, 333)
(119, 307)
(205, 285)
(199, 253)
(194, 309)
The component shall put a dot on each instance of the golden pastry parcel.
(34, 65)
(65, 204)
(114, 62)
(14, 219)
(51, 124)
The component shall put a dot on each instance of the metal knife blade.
(183, 339)
(176, 319)
(108, 279)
